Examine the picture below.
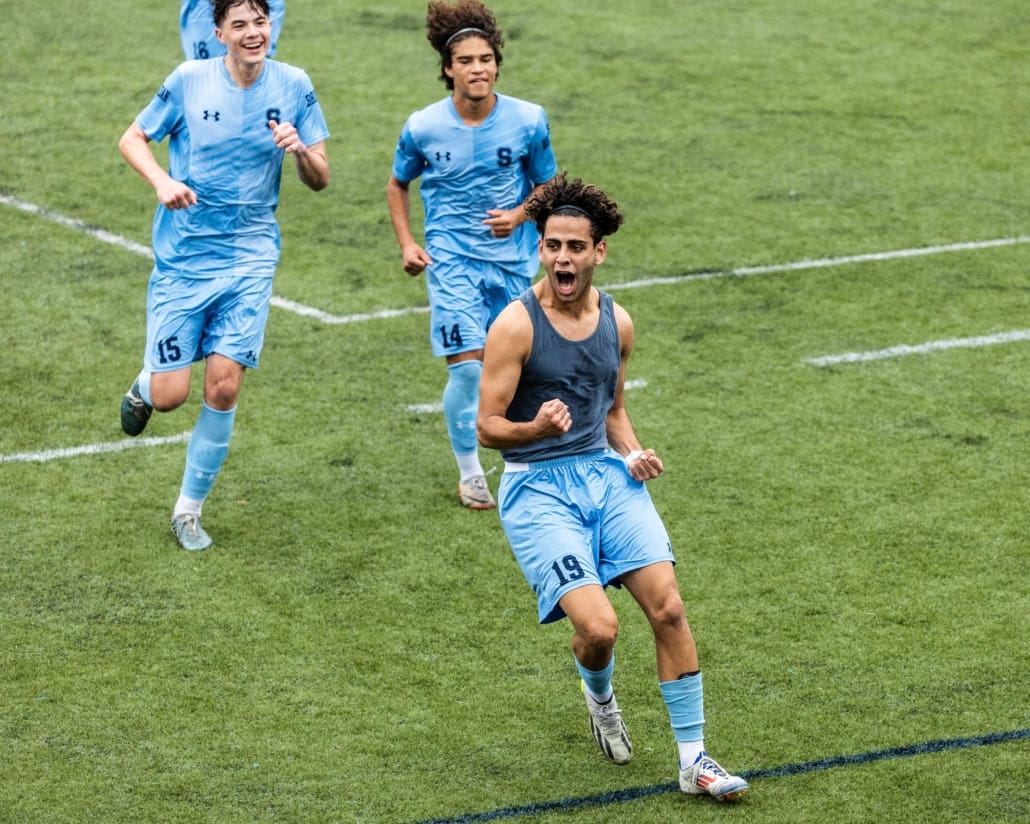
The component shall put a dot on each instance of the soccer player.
(197, 28)
(480, 154)
(229, 123)
(573, 501)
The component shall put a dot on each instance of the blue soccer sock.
(684, 699)
(460, 408)
(598, 682)
(206, 452)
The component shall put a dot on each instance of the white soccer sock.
(689, 751)
(185, 506)
(469, 465)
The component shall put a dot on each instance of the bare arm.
(507, 347)
(135, 148)
(414, 258)
(312, 162)
(621, 435)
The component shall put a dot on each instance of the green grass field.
(356, 647)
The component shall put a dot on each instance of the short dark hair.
(220, 8)
(574, 198)
(446, 24)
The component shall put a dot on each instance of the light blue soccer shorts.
(191, 318)
(577, 521)
(465, 297)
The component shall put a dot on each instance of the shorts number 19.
(568, 569)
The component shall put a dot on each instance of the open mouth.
(566, 282)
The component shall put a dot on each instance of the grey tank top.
(582, 373)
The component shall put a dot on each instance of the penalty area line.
(902, 350)
(801, 768)
(92, 449)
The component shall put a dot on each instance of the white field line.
(429, 408)
(921, 349)
(325, 317)
(824, 263)
(147, 252)
(76, 225)
(91, 449)
(745, 271)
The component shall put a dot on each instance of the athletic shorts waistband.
(567, 460)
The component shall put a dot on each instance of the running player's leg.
(232, 342)
(458, 331)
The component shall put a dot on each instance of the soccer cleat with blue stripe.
(609, 729)
(135, 411)
(706, 777)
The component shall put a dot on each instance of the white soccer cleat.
(706, 777)
(609, 729)
(475, 494)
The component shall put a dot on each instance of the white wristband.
(632, 456)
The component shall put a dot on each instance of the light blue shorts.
(577, 521)
(191, 318)
(465, 297)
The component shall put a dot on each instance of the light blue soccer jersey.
(467, 170)
(197, 29)
(220, 145)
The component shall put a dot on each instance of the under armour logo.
(443, 156)
(215, 116)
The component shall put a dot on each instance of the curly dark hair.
(220, 8)
(574, 198)
(444, 21)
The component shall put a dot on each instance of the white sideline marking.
(933, 346)
(745, 271)
(325, 317)
(92, 449)
(147, 252)
(77, 225)
(428, 408)
(823, 263)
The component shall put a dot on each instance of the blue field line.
(636, 793)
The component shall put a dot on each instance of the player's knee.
(667, 612)
(222, 389)
(599, 632)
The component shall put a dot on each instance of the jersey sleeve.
(164, 114)
(311, 124)
(542, 165)
(408, 161)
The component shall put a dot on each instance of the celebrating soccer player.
(229, 123)
(573, 499)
